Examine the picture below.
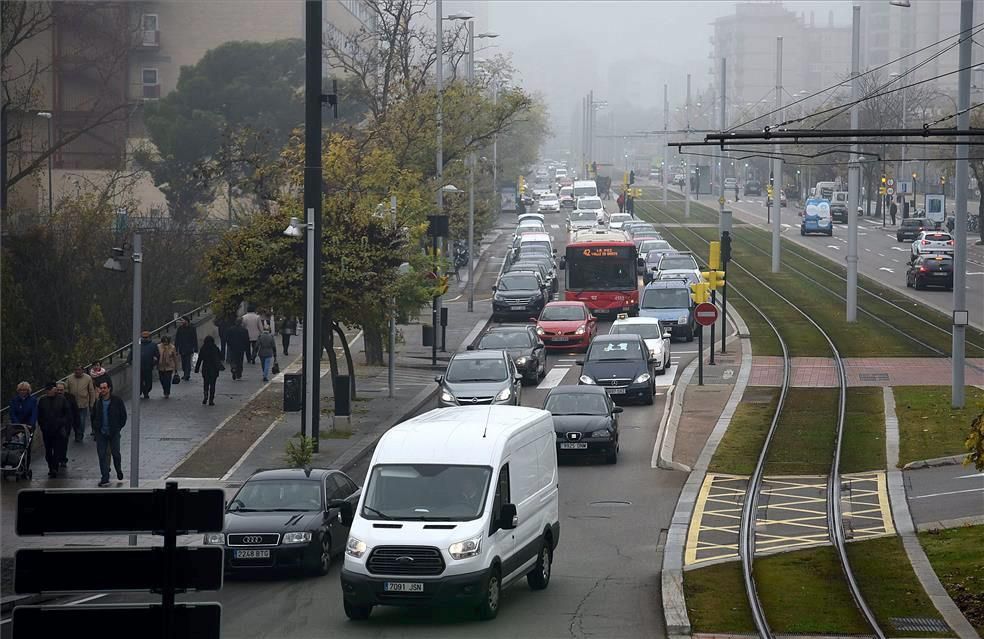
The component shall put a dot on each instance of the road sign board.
(199, 620)
(890, 191)
(705, 314)
(50, 570)
(721, 200)
(890, 182)
(905, 186)
(129, 510)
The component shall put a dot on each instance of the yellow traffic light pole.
(715, 280)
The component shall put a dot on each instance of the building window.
(151, 84)
(149, 30)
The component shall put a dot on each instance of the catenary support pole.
(961, 184)
(666, 139)
(312, 205)
(777, 170)
(136, 369)
(686, 164)
(853, 174)
(391, 360)
(471, 181)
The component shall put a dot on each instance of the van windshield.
(426, 492)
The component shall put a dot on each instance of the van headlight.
(356, 547)
(503, 395)
(586, 379)
(215, 539)
(447, 396)
(296, 538)
(682, 319)
(465, 549)
(521, 361)
(642, 379)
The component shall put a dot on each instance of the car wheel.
(917, 284)
(539, 577)
(324, 560)
(651, 397)
(489, 607)
(690, 334)
(612, 456)
(356, 613)
(543, 368)
(802, 231)
(908, 284)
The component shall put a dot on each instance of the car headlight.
(539, 330)
(446, 396)
(521, 361)
(497, 297)
(503, 395)
(297, 538)
(586, 379)
(356, 547)
(465, 549)
(645, 377)
(214, 539)
(682, 319)
(604, 433)
(581, 329)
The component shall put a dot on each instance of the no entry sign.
(705, 314)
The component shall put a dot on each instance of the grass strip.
(804, 439)
(889, 584)
(739, 449)
(764, 340)
(864, 430)
(956, 556)
(928, 426)
(716, 599)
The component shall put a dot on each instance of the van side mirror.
(470, 347)
(667, 334)
(345, 508)
(579, 362)
(508, 517)
(618, 409)
(439, 379)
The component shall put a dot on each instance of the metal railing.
(126, 349)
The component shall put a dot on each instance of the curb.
(936, 462)
(904, 526)
(943, 524)
(672, 593)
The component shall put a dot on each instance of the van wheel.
(489, 607)
(539, 577)
(356, 613)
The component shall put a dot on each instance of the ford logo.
(252, 539)
(404, 560)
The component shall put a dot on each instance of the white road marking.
(976, 273)
(971, 476)
(868, 249)
(951, 492)
(881, 255)
(555, 226)
(553, 377)
(896, 261)
(899, 248)
(834, 246)
(666, 379)
(883, 268)
(728, 373)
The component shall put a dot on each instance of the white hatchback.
(932, 243)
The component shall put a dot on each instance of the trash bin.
(343, 396)
(428, 334)
(293, 391)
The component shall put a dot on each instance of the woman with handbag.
(167, 365)
(209, 363)
(288, 328)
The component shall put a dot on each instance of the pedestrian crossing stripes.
(553, 377)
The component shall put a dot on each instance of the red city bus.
(601, 271)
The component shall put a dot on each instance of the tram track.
(750, 506)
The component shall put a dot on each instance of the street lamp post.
(48, 116)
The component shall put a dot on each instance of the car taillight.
(925, 242)
(949, 242)
(923, 269)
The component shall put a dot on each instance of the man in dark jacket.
(108, 419)
(237, 342)
(186, 341)
(148, 360)
(55, 417)
(62, 389)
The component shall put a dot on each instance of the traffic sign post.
(705, 314)
(166, 569)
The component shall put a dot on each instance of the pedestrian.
(55, 417)
(148, 360)
(210, 363)
(253, 323)
(79, 385)
(62, 389)
(266, 349)
(288, 328)
(621, 202)
(186, 344)
(167, 364)
(222, 326)
(108, 419)
(97, 372)
(893, 211)
(237, 340)
(736, 193)
(630, 205)
(24, 406)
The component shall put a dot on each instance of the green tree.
(238, 104)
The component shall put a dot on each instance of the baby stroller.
(15, 450)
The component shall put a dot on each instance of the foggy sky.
(624, 50)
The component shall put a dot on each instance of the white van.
(585, 188)
(459, 503)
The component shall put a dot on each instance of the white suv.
(932, 243)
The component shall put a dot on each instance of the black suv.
(910, 228)
(753, 187)
(622, 365)
(518, 294)
(930, 270)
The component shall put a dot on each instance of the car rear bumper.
(930, 280)
(366, 590)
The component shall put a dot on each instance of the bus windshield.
(601, 268)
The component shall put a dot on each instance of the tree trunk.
(328, 342)
(373, 338)
(980, 216)
(348, 359)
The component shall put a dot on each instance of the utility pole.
(136, 366)
(724, 123)
(391, 360)
(961, 184)
(591, 126)
(439, 71)
(777, 168)
(854, 173)
(471, 181)
(686, 165)
(666, 140)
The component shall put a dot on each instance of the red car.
(566, 325)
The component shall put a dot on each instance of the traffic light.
(725, 247)
(884, 180)
(522, 184)
(632, 177)
(715, 279)
(700, 292)
(714, 258)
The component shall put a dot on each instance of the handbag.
(176, 379)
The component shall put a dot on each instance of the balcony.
(149, 39)
(151, 91)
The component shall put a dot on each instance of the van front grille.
(405, 560)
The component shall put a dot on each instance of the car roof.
(565, 303)
(516, 328)
(535, 237)
(579, 389)
(522, 272)
(614, 338)
(635, 320)
(486, 354)
(671, 283)
(290, 473)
